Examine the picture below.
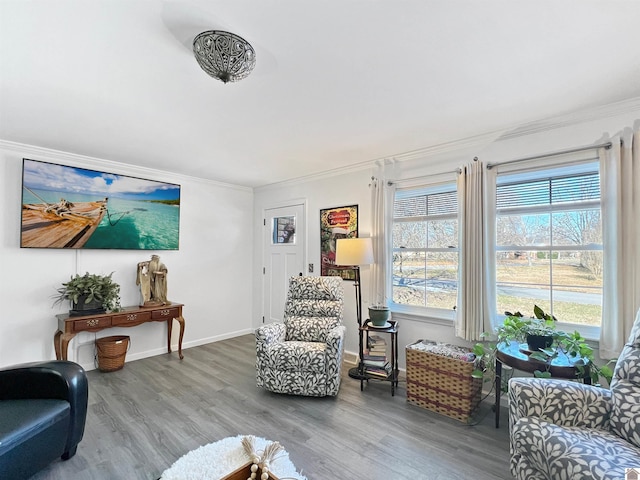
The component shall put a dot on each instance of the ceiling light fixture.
(223, 55)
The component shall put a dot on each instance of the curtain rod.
(606, 145)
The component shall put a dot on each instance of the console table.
(70, 326)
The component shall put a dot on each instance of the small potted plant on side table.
(379, 315)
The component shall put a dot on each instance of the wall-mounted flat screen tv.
(70, 207)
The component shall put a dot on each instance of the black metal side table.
(392, 330)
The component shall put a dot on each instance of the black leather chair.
(43, 408)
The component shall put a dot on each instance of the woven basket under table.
(111, 352)
(441, 383)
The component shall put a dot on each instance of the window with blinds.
(549, 243)
(549, 191)
(425, 247)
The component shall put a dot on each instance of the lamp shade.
(354, 251)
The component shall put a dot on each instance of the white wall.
(208, 273)
(214, 272)
(334, 191)
(351, 187)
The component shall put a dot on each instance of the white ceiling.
(336, 83)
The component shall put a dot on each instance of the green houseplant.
(575, 347)
(538, 331)
(90, 293)
(518, 328)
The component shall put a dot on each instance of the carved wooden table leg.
(56, 343)
(181, 322)
(65, 338)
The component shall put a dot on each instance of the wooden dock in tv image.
(60, 225)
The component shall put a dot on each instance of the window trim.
(527, 172)
(423, 187)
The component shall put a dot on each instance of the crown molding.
(623, 107)
(426, 154)
(476, 141)
(355, 167)
(81, 161)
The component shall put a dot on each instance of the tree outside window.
(549, 245)
(425, 247)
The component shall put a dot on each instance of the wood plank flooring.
(144, 417)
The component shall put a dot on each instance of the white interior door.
(284, 240)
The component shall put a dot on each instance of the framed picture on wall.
(335, 223)
(72, 207)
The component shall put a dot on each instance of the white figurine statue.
(152, 279)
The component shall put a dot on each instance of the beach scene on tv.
(70, 207)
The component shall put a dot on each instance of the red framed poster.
(335, 223)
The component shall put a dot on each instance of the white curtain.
(620, 193)
(473, 315)
(381, 225)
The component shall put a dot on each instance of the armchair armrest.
(57, 379)
(334, 352)
(271, 333)
(335, 341)
(561, 402)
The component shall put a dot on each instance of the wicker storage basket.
(441, 380)
(111, 352)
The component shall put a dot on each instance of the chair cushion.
(625, 389)
(314, 297)
(572, 452)
(313, 308)
(310, 329)
(298, 356)
(21, 420)
(316, 288)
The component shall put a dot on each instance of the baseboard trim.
(174, 347)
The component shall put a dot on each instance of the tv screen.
(70, 207)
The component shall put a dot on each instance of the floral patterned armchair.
(303, 355)
(567, 430)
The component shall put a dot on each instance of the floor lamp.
(355, 252)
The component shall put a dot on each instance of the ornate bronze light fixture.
(223, 55)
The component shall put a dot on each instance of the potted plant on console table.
(90, 294)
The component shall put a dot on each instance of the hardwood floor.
(144, 417)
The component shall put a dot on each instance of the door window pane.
(284, 230)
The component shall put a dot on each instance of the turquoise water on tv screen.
(129, 224)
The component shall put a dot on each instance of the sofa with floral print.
(561, 429)
(303, 354)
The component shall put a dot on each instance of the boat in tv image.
(71, 207)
